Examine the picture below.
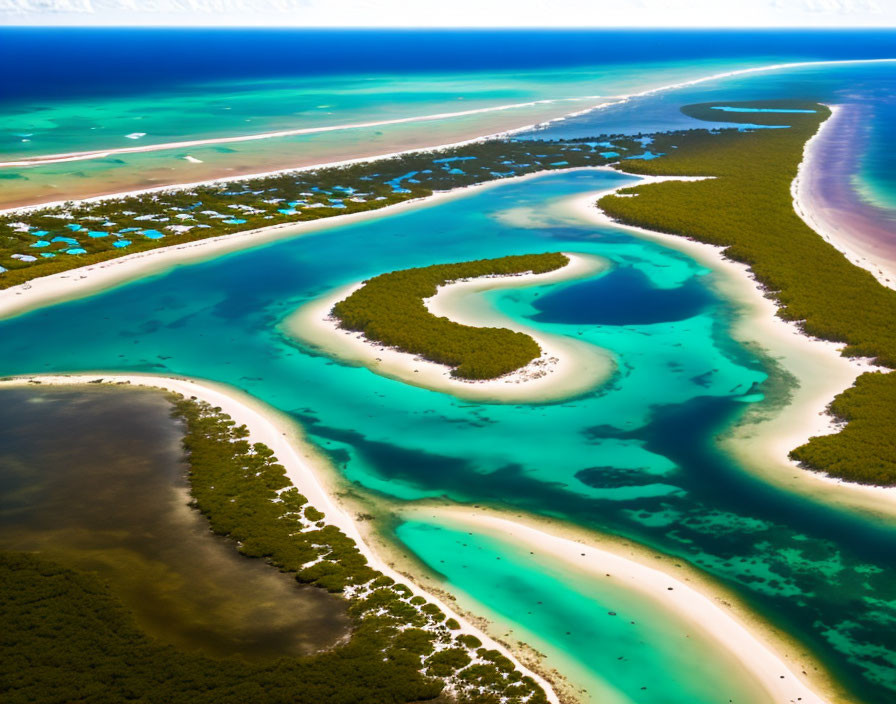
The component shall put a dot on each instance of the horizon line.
(546, 28)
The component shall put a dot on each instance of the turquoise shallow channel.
(615, 646)
(634, 458)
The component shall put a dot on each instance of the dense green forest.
(389, 308)
(747, 208)
(66, 639)
(42, 241)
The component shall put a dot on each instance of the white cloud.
(456, 13)
(843, 7)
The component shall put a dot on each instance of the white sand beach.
(606, 101)
(762, 442)
(567, 367)
(862, 241)
(502, 121)
(780, 666)
(777, 664)
(304, 466)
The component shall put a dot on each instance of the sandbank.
(567, 367)
(780, 666)
(304, 467)
(424, 142)
(614, 100)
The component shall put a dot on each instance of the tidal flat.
(94, 479)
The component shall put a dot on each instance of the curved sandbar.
(566, 367)
(304, 468)
(777, 665)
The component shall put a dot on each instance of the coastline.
(304, 467)
(823, 198)
(567, 367)
(765, 436)
(472, 136)
(820, 371)
(761, 441)
(776, 663)
(425, 146)
(235, 139)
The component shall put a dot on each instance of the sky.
(454, 13)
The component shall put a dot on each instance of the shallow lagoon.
(634, 458)
(94, 479)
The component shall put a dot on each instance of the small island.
(391, 309)
(427, 327)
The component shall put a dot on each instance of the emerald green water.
(589, 625)
(634, 458)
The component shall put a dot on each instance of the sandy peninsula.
(777, 665)
(306, 469)
(566, 367)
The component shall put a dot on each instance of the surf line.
(612, 100)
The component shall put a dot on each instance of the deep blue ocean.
(120, 61)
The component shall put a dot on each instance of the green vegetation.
(747, 209)
(44, 241)
(865, 449)
(389, 308)
(66, 639)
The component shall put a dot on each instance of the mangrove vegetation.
(746, 207)
(65, 638)
(40, 241)
(390, 309)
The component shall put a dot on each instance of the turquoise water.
(230, 108)
(274, 105)
(876, 175)
(633, 458)
(618, 647)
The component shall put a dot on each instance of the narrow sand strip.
(422, 147)
(104, 153)
(567, 367)
(304, 467)
(778, 665)
(864, 242)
